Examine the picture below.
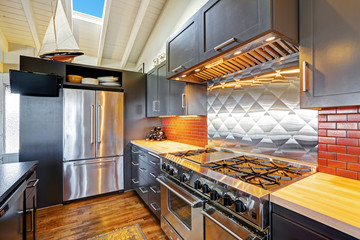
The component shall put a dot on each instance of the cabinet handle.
(177, 69)
(304, 76)
(32, 183)
(158, 105)
(154, 155)
(154, 189)
(143, 169)
(155, 208)
(231, 40)
(153, 163)
(183, 100)
(153, 175)
(153, 107)
(135, 181)
(143, 190)
(134, 164)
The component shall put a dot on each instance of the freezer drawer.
(92, 177)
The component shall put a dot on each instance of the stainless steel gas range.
(221, 194)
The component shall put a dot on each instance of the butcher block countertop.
(331, 200)
(164, 146)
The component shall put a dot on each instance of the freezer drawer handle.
(98, 124)
(231, 40)
(143, 169)
(154, 189)
(154, 155)
(93, 162)
(143, 190)
(135, 181)
(32, 183)
(134, 164)
(157, 208)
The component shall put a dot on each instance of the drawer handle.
(154, 189)
(143, 169)
(304, 76)
(153, 175)
(154, 155)
(153, 163)
(33, 183)
(134, 164)
(135, 151)
(143, 190)
(157, 208)
(231, 40)
(135, 181)
(177, 69)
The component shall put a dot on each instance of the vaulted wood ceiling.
(119, 36)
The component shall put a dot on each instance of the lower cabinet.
(289, 225)
(145, 168)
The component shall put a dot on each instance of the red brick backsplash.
(339, 139)
(189, 130)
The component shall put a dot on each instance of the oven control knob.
(205, 188)
(228, 199)
(240, 206)
(215, 195)
(184, 177)
(197, 184)
(173, 171)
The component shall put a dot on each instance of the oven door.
(220, 225)
(181, 209)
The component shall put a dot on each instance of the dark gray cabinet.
(144, 171)
(157, 92)
(289, 225)
(329, 53)
(182, 47)
(177, 98)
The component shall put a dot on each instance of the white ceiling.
(126, 26)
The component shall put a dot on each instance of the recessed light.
(177, 78)
(197, 70)
(183, 75)
(237, 53)
(269, 39)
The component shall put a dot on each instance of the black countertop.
(12, 175)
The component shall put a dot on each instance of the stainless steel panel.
(78, 124)
(109, 124)
(263, 119)
(92, 177)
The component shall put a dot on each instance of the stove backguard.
(263, 119)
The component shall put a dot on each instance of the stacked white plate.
(92, 81)
(109, 81)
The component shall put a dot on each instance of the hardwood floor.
(95, 216)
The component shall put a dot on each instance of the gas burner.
(192, 152)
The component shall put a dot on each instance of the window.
(93, 7)
(11, 121)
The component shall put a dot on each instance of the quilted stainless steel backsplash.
(265, 119)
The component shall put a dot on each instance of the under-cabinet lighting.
(237, 53)
(183, 75)
(269, 39)
(213, 64)
(177, 78)
(197, 70)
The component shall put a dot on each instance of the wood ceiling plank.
(105, 21)
(29, 14)
(4, 44)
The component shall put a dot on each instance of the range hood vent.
(268, 48)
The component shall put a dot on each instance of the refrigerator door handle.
(98, 124)
(92, 119)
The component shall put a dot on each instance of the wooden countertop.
(329, 199)
(164, 146)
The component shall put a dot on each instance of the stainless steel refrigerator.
(92, 143)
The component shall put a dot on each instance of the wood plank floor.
(92, 217)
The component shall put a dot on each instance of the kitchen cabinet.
(145, 169)
(177, 98)
(157, 92)
(329, 53)
(286, 225)
(182, 47)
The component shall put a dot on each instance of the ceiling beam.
(29, 14)
(4, 45)
(134, 32)
(105, 20)
(68, 8)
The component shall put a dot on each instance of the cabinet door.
(182, 47)
(152, 93)
(226, 23)
(196, 99)
(329, 53)
(177, 98)
(163, 91)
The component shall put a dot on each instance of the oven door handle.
(244, 233)
(184, 195)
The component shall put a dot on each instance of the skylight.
(93, 7)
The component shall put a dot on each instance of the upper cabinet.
(329, 53)
(226, 23)
(222, 29)
(182, 47)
